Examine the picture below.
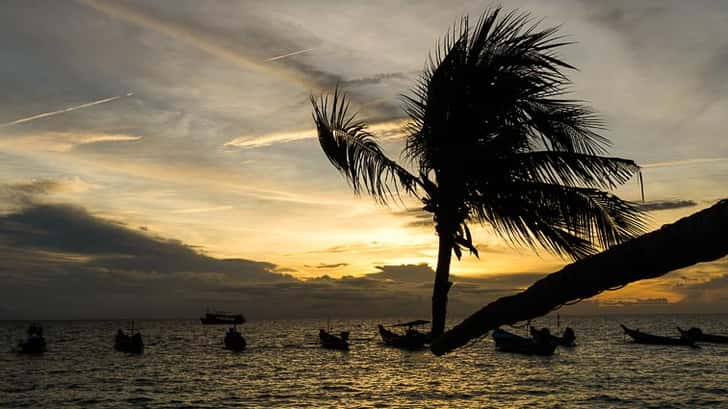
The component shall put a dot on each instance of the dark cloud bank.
(61, 262)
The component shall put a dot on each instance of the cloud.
(202, 209)
(404, 273)
(66, 229)
(64, 260)
(704, 285)
(327, 266)
(682, 162)
(634, 302)
(387, 130)
(666, 205)
(25, 193)
(63, 141)
(61, 261)
(376, 79)
(259, 141)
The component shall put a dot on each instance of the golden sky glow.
(193, 123)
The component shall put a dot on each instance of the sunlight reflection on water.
(184, 365)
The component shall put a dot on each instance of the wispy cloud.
(388, 130)
(63, 141)
(666, 205)
(694, 161)
(64, 110)
(33, 191)
(259, 141)
(378, 78)
(203, 209)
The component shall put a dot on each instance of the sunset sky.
(157, 157)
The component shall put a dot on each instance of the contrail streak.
(290, 54)
(179, 32)
(64, 110)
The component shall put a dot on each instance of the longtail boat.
(131, 342)
(412, 339)
(330, 341)
(35, 343)
(541, 344)
(234, 341)
(645, 338)
(219, 318)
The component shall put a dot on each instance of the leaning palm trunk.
(697, 238)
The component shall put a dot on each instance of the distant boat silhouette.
(131, 342)
(412, 339)
(234, 341)
(35, 343)
(330, 341)
(542, 343)
(640, 337)
(698, 335)
(220, 318)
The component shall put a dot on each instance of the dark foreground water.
(184, 365)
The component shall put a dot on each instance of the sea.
(184, 365)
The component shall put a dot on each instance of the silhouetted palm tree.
(495, 143)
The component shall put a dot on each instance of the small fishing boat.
(131, 342)
(220, 318)
(412, 339)
(645, 338)
(35, 343)
(567, 339)
(330, 341)
(542, 344)
(234, 341)
(697, 335)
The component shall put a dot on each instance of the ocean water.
(185, 366)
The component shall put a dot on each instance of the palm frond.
(355, 152)
(568, 221)
(566, 168)
(484, 81)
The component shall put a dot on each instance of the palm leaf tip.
(355, 152)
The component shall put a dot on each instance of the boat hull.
(508, 342)
(212, 319)
(640, 337)
(235, 342)
(33, 346)
(412, 340)
(131, 344)
(330, 341)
